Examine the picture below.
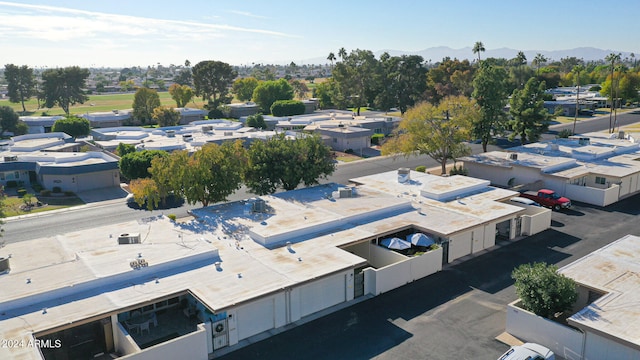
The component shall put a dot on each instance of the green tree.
(73, 126)
(331, 58)
(214, 172)
(256, 121)
(243, 88)
(437, 131)
(145, 191)
(542, 290)
(530, 119)
(286, 163)
(20, 83)
(300, 89)
(181, 94)
(136, 165)
(328, 95)
(10, 121)
(449, 78)
(184, 77)
(267, 92)
(212, 80)
(169, 173)
(287, 108)
(358, 75)
(144, 102)
(577, 70)
(126, 85)
(478, 47)
(490, 95)
(123, 149)
(64, 87)
(538, 61)
(404, 82)
(166, 116)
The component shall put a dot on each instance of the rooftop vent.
(621, 135)
(404, 175)
(584, 141)
(207, 129)
(171, 133)
(513, 156)
(133, 238)
(258, 205)
(187, 137)
(228, 133)
(10, 158)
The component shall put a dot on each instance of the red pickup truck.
(548, 198)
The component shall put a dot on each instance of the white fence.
(591, 195)
(562, 340)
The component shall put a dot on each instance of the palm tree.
(576, 70)
(331, 58)
(612, 58)
(342, 53)
(538, 61)
(478, 48)
(519, 61)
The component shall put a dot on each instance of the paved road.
(456, 313)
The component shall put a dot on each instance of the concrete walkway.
(106, 194)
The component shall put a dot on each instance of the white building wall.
(489, 239)
(322, 294)
(600, 348)
(122, 340)
(459, 245)
(477, 239)
(497, 175)
(562, 340)
(392, 277)
(591, 195)
(255, 317)
(189, 346)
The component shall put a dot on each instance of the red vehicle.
(548, 198)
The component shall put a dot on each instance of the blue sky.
(141, 32)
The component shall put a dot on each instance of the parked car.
(528, 351)
(523, 200)
(548, 198)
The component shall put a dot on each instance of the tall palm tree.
(577, 70)
(538, 61)
(342, 53)
(331, 58)
(478, 48)
(520, 61)
(612, 58)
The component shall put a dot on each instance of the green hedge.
(421, 168)
(287, 108)
(45, 192)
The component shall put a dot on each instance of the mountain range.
(436, 54)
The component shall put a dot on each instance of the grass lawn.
(12, 204)
(96, 103)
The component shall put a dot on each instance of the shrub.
(215, 114)
(421, 168)
(69, 193)
(458, 171)
(12, 184)
(349, 151)
(22, 192)
(376, 139)
(56, 189)
(45, 192)
(36, 187)
(564, 133)
(172, 217)
(287, 108)
(543, 291)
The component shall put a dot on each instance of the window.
(2, 176)
(601, 180)
(16, 174)
(335, 140)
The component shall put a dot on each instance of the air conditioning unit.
(207, 129)
(404, 175)
(171, 133)
(10, 158)
(345, 193)
(513, 156)
(228, 133)
(258, 206)
(187, 137)
(4, 265)
(133, 238)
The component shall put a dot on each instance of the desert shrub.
(45, 192)
(12, 184)
(421, 168)
(376, 139)
(172, 217)
(36, 187)
(22, 192)
(69, 193)
(56, 190)
(349, 151)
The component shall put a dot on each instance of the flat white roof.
(613, 269)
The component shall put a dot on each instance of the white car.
(523, 200)
(528, 351)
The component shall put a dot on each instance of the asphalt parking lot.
(456, 313)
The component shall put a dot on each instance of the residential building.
(594, 168)
(241, 270)
(40, 124)
(602, 324)
(44, 158)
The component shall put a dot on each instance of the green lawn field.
(96, 103)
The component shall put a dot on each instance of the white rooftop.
(613, 269)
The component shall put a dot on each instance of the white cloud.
(63, 24)
(247, 14)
